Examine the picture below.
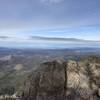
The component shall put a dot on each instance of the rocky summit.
(64, 80)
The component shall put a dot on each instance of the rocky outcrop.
(66, 80)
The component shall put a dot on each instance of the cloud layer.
(54, 39)
(64, 20)
(34, 14)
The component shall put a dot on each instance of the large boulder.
(61, 81)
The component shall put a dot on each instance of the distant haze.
(47, 42)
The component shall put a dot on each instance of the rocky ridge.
(64, 80)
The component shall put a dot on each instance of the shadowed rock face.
(69, 80)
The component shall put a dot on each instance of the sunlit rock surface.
(65, 80)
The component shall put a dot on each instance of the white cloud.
(52, 1)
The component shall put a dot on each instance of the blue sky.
(21, 19)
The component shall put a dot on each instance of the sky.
(20, 20)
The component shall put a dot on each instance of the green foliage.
(9, 90)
